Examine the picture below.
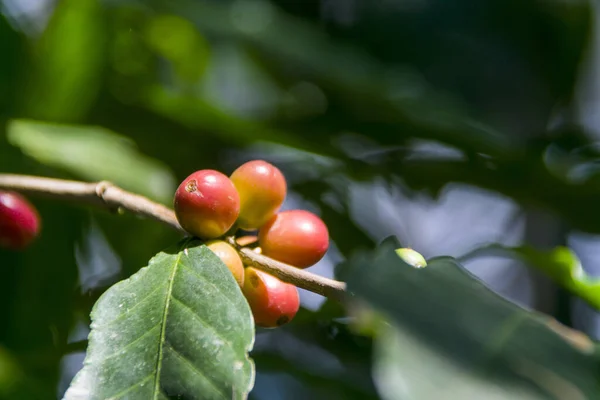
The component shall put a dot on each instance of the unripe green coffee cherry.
(262, 189)
(411, 257)
(272, 301)
(19, 221)
(230, 257)
(207, 204)
(295, 237)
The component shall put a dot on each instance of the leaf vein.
(202, 278)
(127, 390)
(202, 375)
(129, 310)
(205, 324)
(128, 345)
(164, 327)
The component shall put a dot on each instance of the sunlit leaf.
(93, 153)
(561, 264)
(179, 328)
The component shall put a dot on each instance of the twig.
(101, 194)
(105, 194)
(299, 277)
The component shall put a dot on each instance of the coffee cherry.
(262, 189)
(411, 257)
(295, 237)
(230, 257)
(19, 221)
(273, 302)
(207, 204)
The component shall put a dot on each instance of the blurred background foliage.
(451, 125)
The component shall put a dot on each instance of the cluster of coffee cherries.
(209, 205)
(19, 221)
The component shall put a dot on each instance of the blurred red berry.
(19, 221)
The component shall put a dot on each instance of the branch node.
(231, 240)
(101, 188)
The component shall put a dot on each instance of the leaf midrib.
(164, 327)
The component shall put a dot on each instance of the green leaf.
(11, 374)
(451, 337)
(68, 61)
(177, 40)
(93, 153)
(179, 327)
(561, 264)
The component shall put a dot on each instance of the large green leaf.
(451, 337)
(93, 153)
(179, 327)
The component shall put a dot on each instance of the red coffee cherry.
(262, 189)
(19, 221)
(207, 204)
(230, 257)
(295, 237)
(273, 302)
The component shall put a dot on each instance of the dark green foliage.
(449, 336)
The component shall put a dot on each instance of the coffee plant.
(280, 199)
